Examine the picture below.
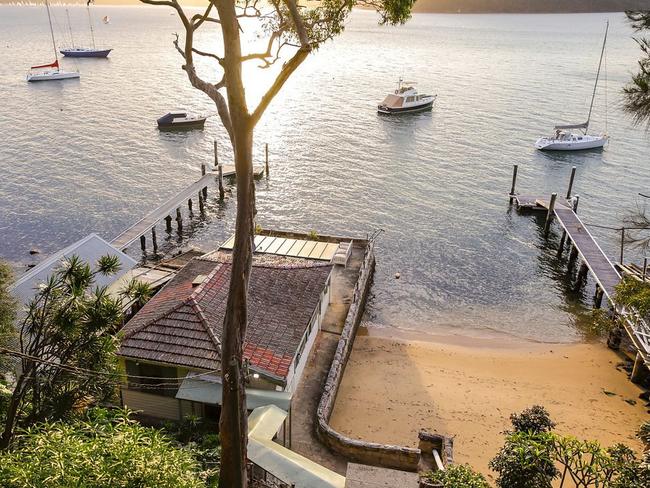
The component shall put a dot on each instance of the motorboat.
(181, 120)
(405, 99)
(52, 71)
(564, 139)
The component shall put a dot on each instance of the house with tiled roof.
(170, 349)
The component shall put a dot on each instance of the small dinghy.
(181, 120)
(405, 99)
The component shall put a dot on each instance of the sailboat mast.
(600, 63)
(67, 13)
(90, 21)
(49, 18)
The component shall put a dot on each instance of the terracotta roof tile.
(183, 324)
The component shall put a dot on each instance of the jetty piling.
(266, 152)
(549, 214)
(189, 205)
(154, 240)
(221, 190)
(594, 260)
(645, 268)
(168, 224)
(576, 200)
(179, 220)
(143, 243)
(216, 154)
(573, 175)
(201, 207)
(514, 182)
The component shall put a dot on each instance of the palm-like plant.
(67, 344)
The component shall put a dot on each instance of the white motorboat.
(564, 139)
(52, 71)
(405, 99)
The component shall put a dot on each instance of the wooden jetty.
(172, 206)
(593, 259)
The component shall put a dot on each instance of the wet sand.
(469, 387)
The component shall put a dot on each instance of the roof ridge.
(197, 309)
(208, 278)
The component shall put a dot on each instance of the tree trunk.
(12, 411)
(233, 423)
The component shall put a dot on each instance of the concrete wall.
(371, 453)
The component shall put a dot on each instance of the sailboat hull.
(573, 144)
(85, 53)
(52, 75)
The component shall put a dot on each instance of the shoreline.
(394, 387)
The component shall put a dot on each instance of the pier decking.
(593, 259)
(171, 206)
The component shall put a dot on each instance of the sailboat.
(563, 139)
(52, 71)
(85, 52)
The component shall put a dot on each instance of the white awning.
(208, 389)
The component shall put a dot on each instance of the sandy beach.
(468, 388)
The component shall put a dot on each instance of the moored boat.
(85, 52)
(52, 71)
(563, 139)
(405, 99)
(181, 120)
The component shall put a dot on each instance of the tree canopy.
(103, 449)
(637, 92)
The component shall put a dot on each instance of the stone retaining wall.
(396, 457)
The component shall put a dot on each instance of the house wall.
(300, 360)
(152, 405)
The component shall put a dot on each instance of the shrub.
(534, 419)
(457, 476)
(103, 449)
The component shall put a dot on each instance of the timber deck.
(146, 223)
(602, 269)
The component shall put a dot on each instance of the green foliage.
(637, 92)
(67, 345)
(456, 476)
(525, 461)
(644, 434)
(534, 419)
(313, 235)
(104, 449)
(531, 455)
(7, 311)
(635, 294)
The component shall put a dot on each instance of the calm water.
(85, 156)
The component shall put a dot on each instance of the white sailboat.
(564, 139)
(52, 71)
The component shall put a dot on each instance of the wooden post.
(645, 267)
(549, 214)
(153, 240)
(221, 190)
(266, 151)
(573, 175)
(201, 208)
(179, 220)
(598, 297)
(639, 371)
(189, 204)
(582, 274)
(560, 249)
(622, 243)
(514, 182)
(143, 243)
(202, 169)
(216, 155)
(168, 223)
(205, 192)
(576, 200)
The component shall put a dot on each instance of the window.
(410, 99)
(151, 384)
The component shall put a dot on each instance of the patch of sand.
(393, 388)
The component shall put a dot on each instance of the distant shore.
(393, 388)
